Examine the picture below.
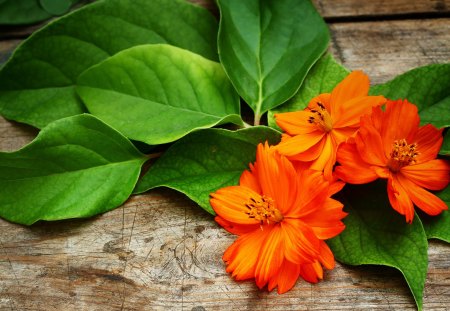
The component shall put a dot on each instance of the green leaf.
(376, 234)
(438, 227)
(159, 93)
(322, 78)
(268, 46)
(427, 87)
(16, 12)
(76, 167)
(38, 83)
(205, 161)
(445, 148)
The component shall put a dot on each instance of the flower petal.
(311, 272)
(369, 143)
(300, 143)
(326, 257)
(301, 245)
(353, 169)
(271, 257)
(433, 175)
(327, 158)
(392, 129)
(426, 201)
(353, 109)
(356, 84)
(242, 256)
(295, 123)
(399, 198)
(229, 203)
(235, 228)
(286, 277)
(249, 180)
(326, 220)
(429, 141)
(323, 98)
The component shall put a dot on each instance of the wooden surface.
(161, 252)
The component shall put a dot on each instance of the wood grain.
(161, 252)
(386, 49)
(358, 8)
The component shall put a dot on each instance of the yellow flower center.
(402, 154)
(263, 210)
(321, 118)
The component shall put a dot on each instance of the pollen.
(402, 154)
(321, 117)
(263, 210)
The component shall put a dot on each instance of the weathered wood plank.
(346, 8)
(386, 49)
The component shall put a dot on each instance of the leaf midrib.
(75, 171)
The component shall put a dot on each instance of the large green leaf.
(37, 84)
(268, 46)
(76, 167)
(438, 227)
(427, 87)
(376, 234)
(445, 148)
(322, 78)
(158, 93)
(205, 161)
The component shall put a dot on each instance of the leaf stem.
(257, 119)
(154, 155)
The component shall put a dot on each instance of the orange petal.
(301, 245)
(311, 154)
(311, 272)
(300, 143)
(249, 180)
(356, 84)
(326, 220)
(229, 203)
(400, 121)
(353, 169)
(399, 199)
(271, 257)
(426, 201)
(286, 277)
(324, 99)
(369, 143)
(235, 228)
(342, 134)
(242, 256)
(295, 123)
(326, 257)
(327, 159)
(352, 110)
(277, 177)
(429, 141)
(433, 175)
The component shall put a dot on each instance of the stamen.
(263, 210)
(321, 118)
(402, 154)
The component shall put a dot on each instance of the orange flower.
(313, 135)
(281, 218)
(390, 144)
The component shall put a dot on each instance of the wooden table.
(160, 251)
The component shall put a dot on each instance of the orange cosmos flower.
(313, 135)
(281, 218)
(390, 144)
